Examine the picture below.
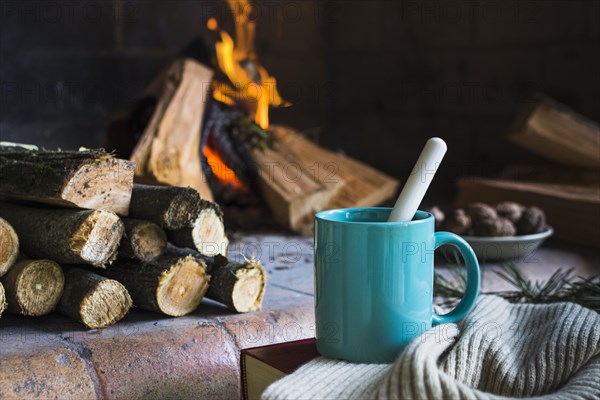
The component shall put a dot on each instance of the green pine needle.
(561, 286)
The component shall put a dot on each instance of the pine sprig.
(535, 292)
(561, 286)
(247, 131)
(587, 291)
(448, 288)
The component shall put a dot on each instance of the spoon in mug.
(419, 180)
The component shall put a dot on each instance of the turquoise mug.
(374, 282)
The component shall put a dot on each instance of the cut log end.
(249, 289)
(206, 234)
(91, 179)
(2, 299)
(150, 242)
(93, 300)
(9, 246)
(143, 240)
(240, 287)
(209, 233)
(34, 287)
(98, 238)
(182, 287)
(106, 304)
(101, 184)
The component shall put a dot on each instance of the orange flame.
(255, 92)
(221, 170)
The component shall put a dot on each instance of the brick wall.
(376, 77)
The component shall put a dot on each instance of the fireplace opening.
(205, 123)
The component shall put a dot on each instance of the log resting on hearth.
(81, 179)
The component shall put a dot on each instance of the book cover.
(261, 366)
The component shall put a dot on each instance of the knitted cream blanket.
(500, 350)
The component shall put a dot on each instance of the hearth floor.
(147, 355)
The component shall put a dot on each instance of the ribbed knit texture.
(500, 350)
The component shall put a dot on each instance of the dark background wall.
(375, 77)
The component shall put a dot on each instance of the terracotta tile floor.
(151, 356)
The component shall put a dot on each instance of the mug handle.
(473, 278)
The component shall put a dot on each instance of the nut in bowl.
(506, 231)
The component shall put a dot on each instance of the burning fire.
(221, 170)
(250, 84)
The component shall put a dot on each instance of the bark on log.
(173, 285)
(66, 236)
(9, 246)
(142, 240)
(169, 207)
(2, 299)
(79, 179)
(207, 235)
(93, 300)
(33, 287)
(240, 287)
(168, 151)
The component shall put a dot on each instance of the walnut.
(480, 212)
(457, 221)
(494, 227)
(438, 215)
(510, 210)
(533, 220)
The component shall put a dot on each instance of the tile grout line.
(291, 290)
(237, 348)
(85, 354)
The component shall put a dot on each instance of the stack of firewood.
(78, 235)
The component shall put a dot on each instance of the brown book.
(573, 211)
(264, 365)
(558, 133)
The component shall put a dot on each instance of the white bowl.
(504, 248)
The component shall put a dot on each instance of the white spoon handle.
(418, 182)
